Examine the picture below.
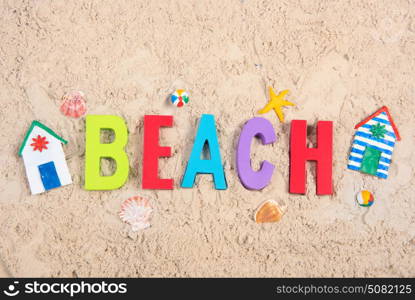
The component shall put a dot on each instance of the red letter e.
(152, 152)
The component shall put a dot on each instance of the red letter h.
(322, 154)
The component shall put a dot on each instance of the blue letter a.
(206, 134)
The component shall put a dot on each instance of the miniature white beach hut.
(44, 159)
(373, 144)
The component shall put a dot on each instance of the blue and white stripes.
(364, 138)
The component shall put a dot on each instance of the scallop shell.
(73, 104)
(136, 211)
(268, 212)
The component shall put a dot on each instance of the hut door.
(370, 161)
(49, 176)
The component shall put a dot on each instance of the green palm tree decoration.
(378, 131)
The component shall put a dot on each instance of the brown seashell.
(268, 212)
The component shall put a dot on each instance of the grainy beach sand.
(341, 60)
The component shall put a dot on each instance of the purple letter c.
(250, 179)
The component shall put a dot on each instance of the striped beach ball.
(180, 98)
(365, 198)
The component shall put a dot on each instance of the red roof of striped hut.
(381, 110)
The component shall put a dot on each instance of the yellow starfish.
(276, 102)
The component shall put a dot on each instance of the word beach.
(206, 135)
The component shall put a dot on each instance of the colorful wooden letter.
(206, 134)
(299, 154)
(254, 180)
(152, 152)
(95, 150)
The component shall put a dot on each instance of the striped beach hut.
(373, 144)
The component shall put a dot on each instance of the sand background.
(342, 60)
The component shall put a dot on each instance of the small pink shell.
(73, 104)
(136, 211)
